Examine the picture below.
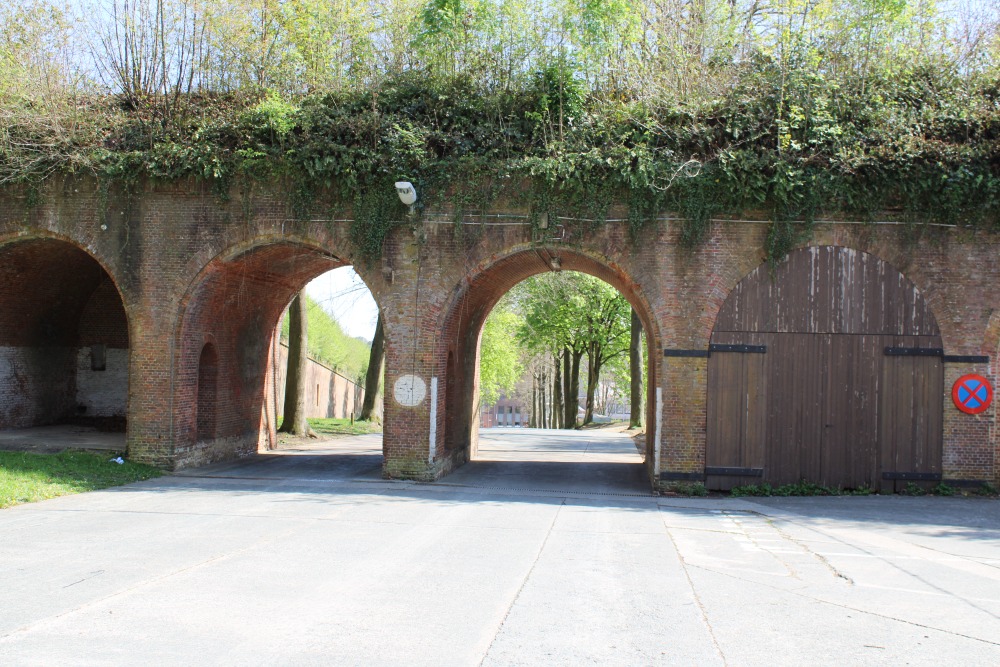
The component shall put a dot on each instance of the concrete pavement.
(548, 550)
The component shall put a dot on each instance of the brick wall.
(102, 393)
(328, 394)
(37, 386)
(192, 269)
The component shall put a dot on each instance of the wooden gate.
(830, 373)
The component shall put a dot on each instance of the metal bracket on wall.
(914, 352)
(965, 359)
(752, 349)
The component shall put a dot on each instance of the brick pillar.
(409, 401)
(151, 408)
(683, 381)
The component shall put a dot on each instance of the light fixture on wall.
(407, 193)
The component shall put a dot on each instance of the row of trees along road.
(555, 326)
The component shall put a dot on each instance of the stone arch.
(64, 336)
(461, 326)
(826, 368)
(236, 301)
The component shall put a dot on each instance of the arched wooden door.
(827, 371)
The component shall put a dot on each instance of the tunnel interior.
(229, 361)
(64, 340)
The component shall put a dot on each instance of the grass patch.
(27, 477)
(798, 489)
(344, 427)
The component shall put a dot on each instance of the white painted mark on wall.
(659, 430)
(409, 391)
(434, 414)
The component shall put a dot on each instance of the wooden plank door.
(797, 366)
(850, 412)
(737, 413)
(911, 415)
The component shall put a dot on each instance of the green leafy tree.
(568, 316)
(500, 364)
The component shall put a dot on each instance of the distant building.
(508, 412)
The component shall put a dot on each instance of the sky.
(344, 295)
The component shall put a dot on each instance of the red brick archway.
(232, 309)
(64, 338)
(458, 346)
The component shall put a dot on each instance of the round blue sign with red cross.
(972, 394)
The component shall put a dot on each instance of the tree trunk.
(542, 400)
(593, 369)
(565, 419)
(534, 400)
(373, 377)
(556, 401)
(572, 368)
(635, 369)
(294, 420)
(557, 394)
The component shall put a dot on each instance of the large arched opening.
(459, 347)
(827, 370)
(64, 342)
(231, 371)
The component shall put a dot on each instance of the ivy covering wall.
(850, 108)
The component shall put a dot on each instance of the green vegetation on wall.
(858, 108)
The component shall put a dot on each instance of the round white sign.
(409, 390)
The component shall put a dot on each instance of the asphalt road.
(548, 550)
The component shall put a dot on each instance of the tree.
(374, 375)
(607, 333)
(500, 365)
(294, 419)
(551, 306)
(568, 315)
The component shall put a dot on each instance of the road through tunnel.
(461, 345)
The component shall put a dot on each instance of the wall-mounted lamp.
(556, 264)
(407, 193)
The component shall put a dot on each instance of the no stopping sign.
(972, 394)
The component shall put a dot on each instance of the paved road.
(307, 557)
